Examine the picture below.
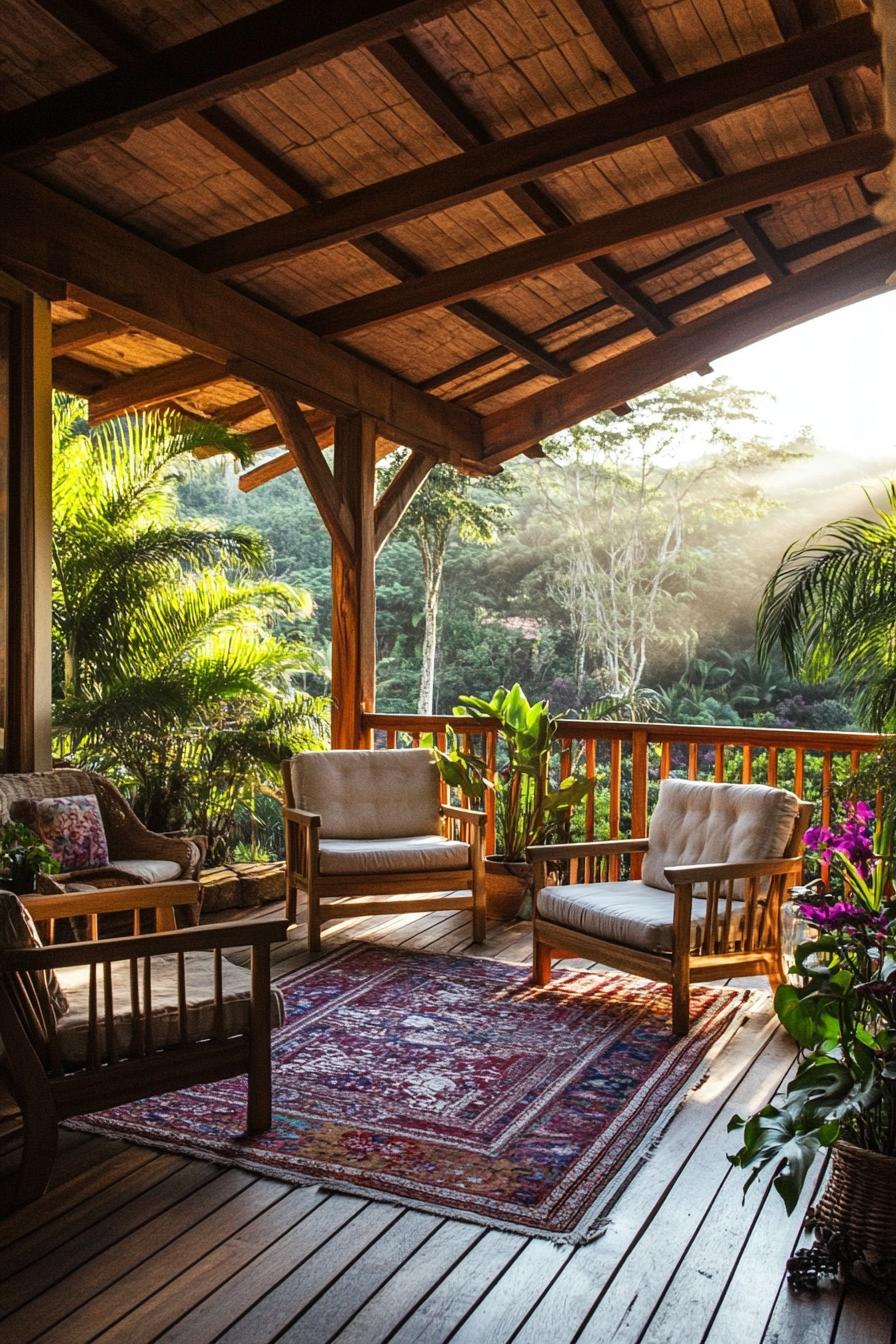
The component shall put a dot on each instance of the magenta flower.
(853, 838)
(845, 915)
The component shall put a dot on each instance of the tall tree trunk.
(433, 566)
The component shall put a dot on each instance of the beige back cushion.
(695, 822)
(368, 794)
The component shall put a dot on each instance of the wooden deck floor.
(132, 1245)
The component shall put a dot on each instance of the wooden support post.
(25, 561)
(354, 584)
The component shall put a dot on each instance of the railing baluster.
(772, 768)
(720, 763)
(746, 773)
(615, 808)
(799, 770)
(491, 760)
(590, 773)
(693, 760)
(665, 759)
(640, 769)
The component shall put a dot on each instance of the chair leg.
(40, 1134)
(681, 1006)
(292, 899)
(314, 922)
(258, 1108)
(479, 921)
(541, 963)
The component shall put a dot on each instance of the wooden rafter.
(249, 51)
(150, 387)
(694, 205)
(852, 275)
(114, 272)
(620, 39)
(397, 496)
(307, 456)
(80, 335)
(221, 130)
(678, 105)
(407, 66)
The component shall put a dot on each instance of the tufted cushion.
(368, 794)
(695, 822)
(403, 854)
(630, 913)
(72, 1030)
(17, 930)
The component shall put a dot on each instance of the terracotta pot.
(506, 884)
(857, 1210)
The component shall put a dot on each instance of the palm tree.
(830, 607)
(447, 503)
(171, 675)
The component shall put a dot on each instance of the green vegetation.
(176, 669)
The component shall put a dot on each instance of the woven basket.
(858, 1207)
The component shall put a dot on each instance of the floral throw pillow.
(72, 828)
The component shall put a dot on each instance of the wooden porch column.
(25, 556)
(354, 584)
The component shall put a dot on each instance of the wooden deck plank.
(204, 1254)
(90, 1266)
(238, 1292)
(410, 1283)
(439, 1314)
(334, 1309)
(201, 1277)
(321, 1271)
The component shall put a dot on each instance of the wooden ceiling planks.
(467, 74)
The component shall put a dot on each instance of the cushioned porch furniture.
(128, 1018)
(136, 854)
(715, 866)
(366, 824)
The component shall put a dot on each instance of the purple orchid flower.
(853, 838)
(845, 915)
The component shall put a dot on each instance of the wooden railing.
(628, 761)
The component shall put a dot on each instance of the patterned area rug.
(449, 1084)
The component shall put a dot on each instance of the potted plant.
(528, 810)
(22, 856)
(842, 1014)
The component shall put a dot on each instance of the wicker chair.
(136, 854)
(121, 1030)
(716, 865)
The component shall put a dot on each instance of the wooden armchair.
(363, 825)
(142, 1015)
(716, 867)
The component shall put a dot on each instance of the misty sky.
(837, 374)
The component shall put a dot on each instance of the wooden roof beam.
(307, 456)
(500, 165)
(695, 205)
(437, 98)
(852, 275)
(242, 54)
(621, 40)
(219, 129)
(114, 272)
(149, 387)
(396, 498)
(69, 336)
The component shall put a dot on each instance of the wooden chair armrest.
(587, 849)
(146, 896)
(468, 814)
(683, 875)
(250, 933)
(303, 818)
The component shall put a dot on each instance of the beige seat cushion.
(629, 913)
(377, 794)
(398, 854)
(697, 822)
(149, 870)
(72, 1028)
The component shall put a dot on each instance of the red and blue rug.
(449, 1084)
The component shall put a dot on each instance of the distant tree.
(638, 504)
(447, 504)
(830, 606)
